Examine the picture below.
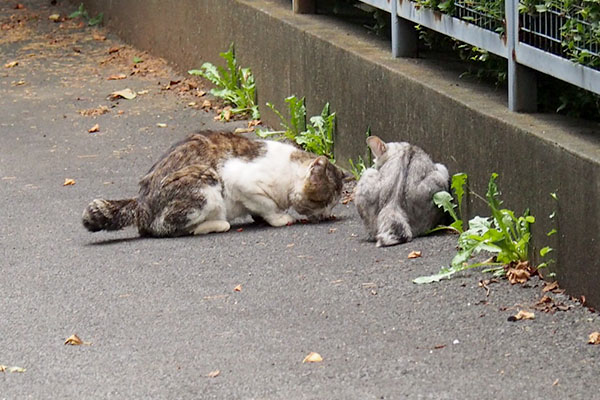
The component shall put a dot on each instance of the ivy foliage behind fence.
(568, 28)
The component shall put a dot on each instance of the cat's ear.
(376, 145)
(319, 162)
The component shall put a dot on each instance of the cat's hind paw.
(385, 239)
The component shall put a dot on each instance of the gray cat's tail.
(109, 215)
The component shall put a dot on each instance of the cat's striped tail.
(109, 215)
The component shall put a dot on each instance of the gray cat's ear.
(376, 145)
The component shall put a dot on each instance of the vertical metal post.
(404, 36)
(304, 6)
(395, 29)
(522, 84)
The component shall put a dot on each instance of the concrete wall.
(464, 125)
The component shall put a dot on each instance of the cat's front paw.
(279, 219)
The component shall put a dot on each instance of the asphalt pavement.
(233, 315)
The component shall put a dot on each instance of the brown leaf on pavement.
(93, 112)
(594, 338)
(312, 357)
(522, 314)
(519, 273)
(94, 128)
(11, 64)
(414, 254)
(116, 77)
(238, 288)
(125, 93)
(69, 182)
(214, 374)
(4, 368)
(75, 340)
(550, 286)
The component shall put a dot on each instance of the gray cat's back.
(394, 198)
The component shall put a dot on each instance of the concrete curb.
(464, 125)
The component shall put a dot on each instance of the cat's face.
(321, 190)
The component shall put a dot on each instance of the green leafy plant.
(545, 251)
(234, 84)
(445, 201)
(316, 137)
(503, 234)
(82, 12)
(358, 167)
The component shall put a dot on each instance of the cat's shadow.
(249, 226)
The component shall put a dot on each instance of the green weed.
(445, 201)
(360, 166)
(234, 84)
(357, 168)
(315, 137)
(503, 234)
(82, 12)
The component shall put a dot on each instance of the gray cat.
(210, 178)
(394, 198)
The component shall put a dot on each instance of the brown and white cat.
(210, 178)
(395, 197)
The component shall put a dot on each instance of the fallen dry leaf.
(312, 357)
(161, 125)
(69, 182)
(93, 112)
(243, 130)
(522, 314)
(214, 374)
(11, 64)
(94, 128)
(54, 17)
(143, 92)
(515, 275)
(19, 83)
(75, 340)
(550, 286)
(238, 288)
(254, 122)
(227, 113)
(125, 93)
(594, 338)
(116, 77)
(414, 254)
(97, 36)
(19, 6)
(114, 49)
(4, 368)
(206, 104)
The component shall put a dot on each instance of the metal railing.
(529, 42)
